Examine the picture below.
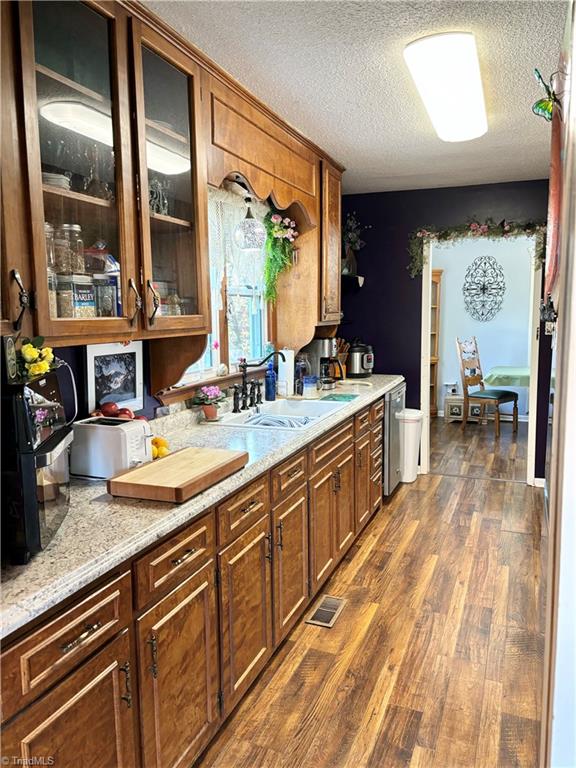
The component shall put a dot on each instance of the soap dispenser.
(270, 383)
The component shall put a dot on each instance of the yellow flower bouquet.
(34, 359)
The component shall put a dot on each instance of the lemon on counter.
(163, 451)
(154, 451)
(160, 442)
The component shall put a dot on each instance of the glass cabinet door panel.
(76, 91)
(170, 185)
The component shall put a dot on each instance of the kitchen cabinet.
(363, 505)
(344, 502)
(291, 589)
(87, 95)
(172, 185)
(80, 188)
(87, 720)
(331, 244)
(244, 568)
(178, 672)
(322, 487)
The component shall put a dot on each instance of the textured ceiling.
(335, 71)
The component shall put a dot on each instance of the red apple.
(109, 409)
(125, 413)
(140, 418)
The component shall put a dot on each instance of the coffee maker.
(323, 356)
(36, 439)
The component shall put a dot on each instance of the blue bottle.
(270, 383)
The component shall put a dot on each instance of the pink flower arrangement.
(283, 228)
(209, 396)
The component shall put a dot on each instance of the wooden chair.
(471, 374)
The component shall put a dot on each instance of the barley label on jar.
(84, 299)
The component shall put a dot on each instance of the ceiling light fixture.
(446, 72)
(93, 124)
(250, 234)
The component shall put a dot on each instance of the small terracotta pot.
(210, 412)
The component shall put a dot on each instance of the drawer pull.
(89, 630)
(280, 527)
(293, 473)
(249, 507)
(127, 697)
(153, 643)
(182, 559)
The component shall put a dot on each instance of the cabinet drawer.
(361, 422)
(377, 412)
(327, 448)
(243, 509)
(376, 436)
(376, 490)
(289, 475)
(175, 560)
(376, 460)
(49, 653)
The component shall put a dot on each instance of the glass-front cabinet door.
(77, 123)
(172, 185)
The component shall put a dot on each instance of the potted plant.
(209, 398)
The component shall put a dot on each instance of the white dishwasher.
(394, 402)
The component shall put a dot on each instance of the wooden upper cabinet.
(77, 133)
(172, 185)
(88, 720)
(331, 244)
(178, 664)
(243, 138)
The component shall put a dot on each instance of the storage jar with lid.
(69, 249)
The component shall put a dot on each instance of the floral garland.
(489, 229)
(280, 236)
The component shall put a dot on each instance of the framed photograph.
(114, 375)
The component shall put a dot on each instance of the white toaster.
(104, 446)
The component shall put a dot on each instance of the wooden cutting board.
(179, 476)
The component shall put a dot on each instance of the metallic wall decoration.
(484, 288)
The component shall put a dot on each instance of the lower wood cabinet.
(87, 720)
(363, 505)
(179, 675)
(245, 609)
(344, 502)
(322, 487)
(291, 568)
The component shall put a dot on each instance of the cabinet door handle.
(153, 643)
(269, 540)
(182, 559)
(137, 301)
(24, 299)
(155, 301)
(280, 528)
(88, 631)
(127, 697)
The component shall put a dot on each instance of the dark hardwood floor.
(436, 659)
(475, 452)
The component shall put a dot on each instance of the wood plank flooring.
(436, 659)
(475, 452)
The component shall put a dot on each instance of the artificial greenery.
(474, 229)
(280, 236)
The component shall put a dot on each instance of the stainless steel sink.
(282, 414)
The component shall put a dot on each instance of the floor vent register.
(326, 611)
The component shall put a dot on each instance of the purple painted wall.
(386, 312)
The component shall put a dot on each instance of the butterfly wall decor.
(545, 107)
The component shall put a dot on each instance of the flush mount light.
(95, 125)
(446, 72)
(250, 234)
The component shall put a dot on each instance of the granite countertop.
(100, 532)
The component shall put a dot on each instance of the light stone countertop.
(101, 532)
